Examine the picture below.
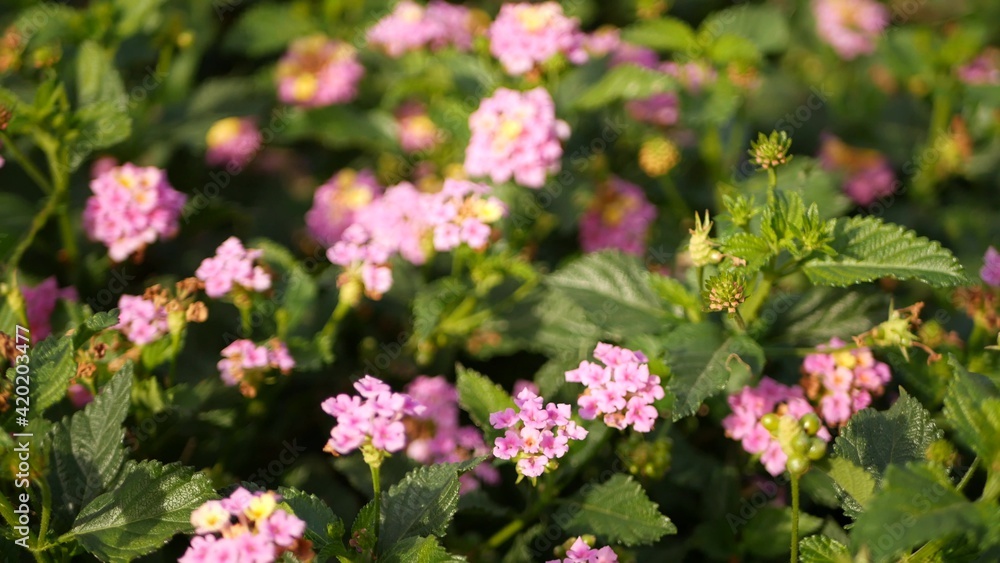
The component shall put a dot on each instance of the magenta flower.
(525, 35)
(619, 217)
(245, 364)
(658, 109)
(535, 435)
(233, 142)
(622, 391)
(131, 208)
(603, 41)
(990, 271)
(851, 27)
(437, 436)
(232, 268)
(752, 403)
(374, 418)
(318, 71)
(982, 70)
(40, 302)
(141, 320)
(79, 395)
(335, 202)
(516, 135)
(581, 552)
(245, 528)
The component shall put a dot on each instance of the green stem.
(36, 225)
(43, 528)
(505, 533)
(245, 320)
(751, 307)
(677, 202)
(772, 184)
(992, 489)
(7, 510)
(29, 167)
(377, 488)
(795, 518)
(59, 171)
(339, 312)
(968, 474)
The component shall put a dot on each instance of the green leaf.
(149, 503)
(419, 550)
(625, 82)
(87, 449)
(701, 363)
(618, 511)
(752, 248)
(821, 313)
(137, 16)
(101, 125)
(97, 79)
(266, 28)
(972, 407)
(666, 34)
(93, 325)
(422, 504)
(729, 48)
(874, 439)
(338, 127)
(52, 367)
(764, 26)
(480, 397)
(296, 291)
(917, 503)
(565, 331)
(821, 549)
(363, 528)
(855, 486)
(323, 527)
(869, 249)
(614, 291)
(16, 214)
(760, 536)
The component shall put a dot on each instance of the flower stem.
(505, 533)
(43, 528)
(377, 488)
(772, 183)
(29, 167)
(968, 474)
(795, 518)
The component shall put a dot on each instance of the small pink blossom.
(411, 27)
(851, 27)
(843, 380)
(581, 552)
(40, 302)
(622, 391)
(244, 528)
(244, 363)
(990, 272)
(318, 71)
(525, 35)
(619, 217)
(374, 418)
(141, 320)
(233, 267)
(535, 435)
(335, 202)
(232, 142)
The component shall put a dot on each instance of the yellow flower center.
(305, 87)
(508, 131)
(845, 359)
(534, 18)
(223, 131)
(487, 211)
(616, 210)
(260, 507)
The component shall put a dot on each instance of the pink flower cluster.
(436, 436)
(232, 143)
(516, 135)
(40, 302)
(415, 129)
(869, 176)
(622, 390)
(581, 552)
(525, 35)
(402, 221)
(141, 320)
(851, 27)
(318, 71)
(245, 528)
(233, 268)
(990, 272)
(535, 435)
(375, 417)
(620, 217)
(243, 359)
(984, 69)
(131, 207)
(411, 27)
(843, 381)
(335, 202)
(659, 109)
(752, 403)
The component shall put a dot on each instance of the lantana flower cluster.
(851, 27)
(869, 175)
(990, 272)
(536, 434)
(619, 217)
(318, 71)
(246, 527)
(233, 268)
(406, 221)
(244, 363)
(515, 135)
(132, 207)
(232, 143)
(411, 26)
(415, 129)
(373, 418)
(40, 302)
(335, 202)
(984, 69)
(751, 404)
(148, 317)
(622, 391)
(437, 436)
(581, 552)
(525, 35)
(843, 381)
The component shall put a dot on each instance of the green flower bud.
(817, 449)
(701, 247)
(811, 423)
(797, 465)
(725, 292)
(771, 151)
(770, 422)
